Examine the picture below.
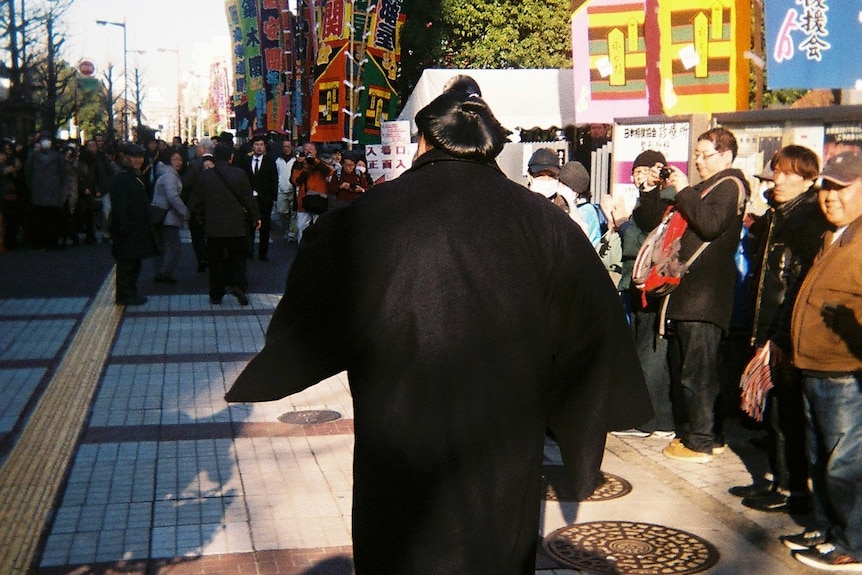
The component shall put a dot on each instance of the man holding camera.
(698, 311)
(826, 333)
(311, 176)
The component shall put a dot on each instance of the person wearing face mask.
(543, 178)
(45, 172)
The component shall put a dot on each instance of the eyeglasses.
(702, 156)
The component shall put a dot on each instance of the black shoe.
(240, 296)
(162, 278)
(805, 540)
(215, 300)
(753, 490)
(780, 503)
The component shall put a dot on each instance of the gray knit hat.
(575, 175)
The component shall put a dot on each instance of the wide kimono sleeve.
(598, 382)
(306, 341)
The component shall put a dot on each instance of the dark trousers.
(786, 417)
(127, 280)
(226, 258)
(652, 353)
(47, 226)
(85, 219)
(693, 354)
(265, 207)
(199, 240)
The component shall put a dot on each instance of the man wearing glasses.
(698, 311)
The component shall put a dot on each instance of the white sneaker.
(631, 433)
(659, 434)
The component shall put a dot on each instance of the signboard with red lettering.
(87, 68)
(813, 44)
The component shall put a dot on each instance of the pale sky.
(197, 28)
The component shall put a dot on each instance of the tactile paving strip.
(630, 548)
(33, 473)
(309, 417)
(556, 486)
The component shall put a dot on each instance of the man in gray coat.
(45, 170)
(223, 201)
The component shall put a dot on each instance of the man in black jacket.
(131, 235)
(788, 237)
(263, 175)
(223, 201)
(699, 309)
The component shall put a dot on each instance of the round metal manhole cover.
(309, 417)
(556, 486)
(630, 548)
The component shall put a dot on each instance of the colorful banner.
(356, 69)
(701, 58)
(379, 100)
(813, 44)
(610, 60)
(257, 33)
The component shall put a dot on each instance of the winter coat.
(705, 293)
(216, 201)
(835, 280)
(788, 238)
(45, 171)
(131, 233)
(478, 317)
(166, 194)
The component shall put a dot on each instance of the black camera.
(664, 173)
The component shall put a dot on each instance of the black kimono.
(471, 315)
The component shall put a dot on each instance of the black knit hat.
(649, 158)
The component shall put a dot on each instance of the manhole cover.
(309, 417)
(556, 486)
(629, 548)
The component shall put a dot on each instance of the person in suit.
(222, 201)
(263, 175)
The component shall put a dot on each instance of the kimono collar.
(434, 156)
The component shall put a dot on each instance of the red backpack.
(658, 269)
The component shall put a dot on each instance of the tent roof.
(519, 98)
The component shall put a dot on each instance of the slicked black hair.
(460, 123)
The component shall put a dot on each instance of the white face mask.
(360, 169)
(545, 186)
(45, 144)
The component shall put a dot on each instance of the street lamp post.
(125, 71)
(176, 52)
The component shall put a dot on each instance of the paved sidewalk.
(164, 477)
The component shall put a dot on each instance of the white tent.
(519, 98)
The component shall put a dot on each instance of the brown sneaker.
(676, 450)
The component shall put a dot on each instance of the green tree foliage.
(507, 33)
(484, 34)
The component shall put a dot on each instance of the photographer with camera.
(349, 184)
(653, 200)
(310, 175)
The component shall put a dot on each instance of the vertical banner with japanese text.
(610, 53)
(702, 61)
(327, 98)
